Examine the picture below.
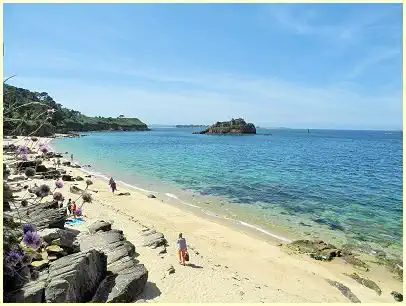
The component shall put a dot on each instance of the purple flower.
(32, 240)
(43, 149)
(29, 228)
(13, 258)
(59, 184)
(25, 157)
(23, 150)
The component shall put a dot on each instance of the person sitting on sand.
(182, 249)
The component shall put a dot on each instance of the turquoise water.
(347, 184)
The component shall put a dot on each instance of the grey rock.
(344, 291)
(124, 194)
(67, 238)
(318, 249)
(119, 251)
(171, 269)
(76, 277)
(41, 168)
(365, 282)
(46, 215)
(397, 296)
(67, 177)
(151, 196)
(75, 190)
(123, 287)
(79, 178)
(152, 238)
(32, 292)
(99, 225)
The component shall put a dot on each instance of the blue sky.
(310, 65)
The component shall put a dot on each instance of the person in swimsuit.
(182, 249)
(113, 185)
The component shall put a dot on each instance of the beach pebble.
(151, 196)
(397, 296)
(124, 194)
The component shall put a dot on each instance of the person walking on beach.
(59, 163)
(182, 249)
(74, 209)
(71, 157)
(113, 185)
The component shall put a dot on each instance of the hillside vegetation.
(26, 112)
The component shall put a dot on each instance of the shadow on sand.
(194, 266)
(150, 292)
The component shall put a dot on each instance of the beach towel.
(75, 222)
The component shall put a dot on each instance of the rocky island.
(233, 127)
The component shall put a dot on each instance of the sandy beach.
(227, 264)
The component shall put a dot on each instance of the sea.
(340, 185)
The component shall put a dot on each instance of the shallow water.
(343, 184)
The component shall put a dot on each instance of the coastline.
(229, 264)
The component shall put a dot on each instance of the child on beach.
(182, 249)
(74, 209)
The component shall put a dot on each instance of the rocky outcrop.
(344, 291)
(126, 278)
(318, 249)
(365, 282)
(235, 127)
(46, 215)
(123, 287)
(151, 238)
(32, 292)
(65, 238)
(76, 277)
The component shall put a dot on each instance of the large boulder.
(122, 288)
(45, 215)
(99, 225)
(151, 238)
(32, 292)
(66, 238)
(119, 251)
(76, 277)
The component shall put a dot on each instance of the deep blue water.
(345, 182)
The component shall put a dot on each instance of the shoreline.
(244, 218)
(227, 263)
(255, 229)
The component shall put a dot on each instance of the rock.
(54, 249)
(67, 178)
(16, 178)
(365, 282)
(76, 277)
(124, 194)
(170, 269)
(318, 249)
(397, 296)
(357, 263)
(235, 126)
(140, 301)
(152, 238)
(32, 292)
(151, 196)
(46, 215)
(119, 251)
(99, 225)
(122, 288)
(66, 163)
(76, 190)
(79, 178)
(41, 168)
(344, 291)
(27, 164)
(162, 250)
(66, 238)
(40, 264)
